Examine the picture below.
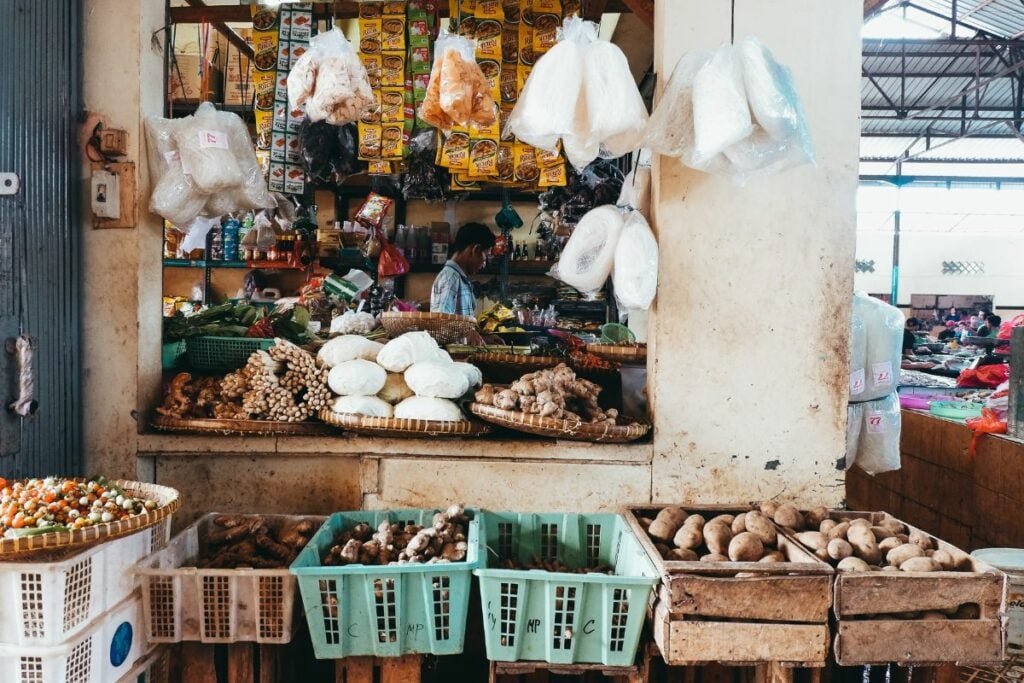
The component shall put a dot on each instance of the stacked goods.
(902, 595)
(556, 393)
(735, 587)
(281, 136)
(38, 506)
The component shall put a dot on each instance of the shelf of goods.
(738, 612)
(389, 610)
(251, 265)
(588, 603)
(183, 602)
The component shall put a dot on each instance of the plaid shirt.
(452, 292)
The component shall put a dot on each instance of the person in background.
(452, 291)
(963, 331)
(949, 333)
(909, 338)
(953, 315)
(990, 327)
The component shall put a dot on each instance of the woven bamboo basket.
(401, 428)
(623, 353)
(166, 423)
(522, 362)
(445, 328)
(167, 503)
(573, 430)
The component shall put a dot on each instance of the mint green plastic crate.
(559, 617)
(390, 610)
(223, 354)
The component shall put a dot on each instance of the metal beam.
(881, 92)
(926, 108)
(946, 160)
(959, 179)
(977, 8)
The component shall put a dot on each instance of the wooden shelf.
(181, 108)
(251, 265)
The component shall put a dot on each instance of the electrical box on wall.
(112, 195)
(113, 142)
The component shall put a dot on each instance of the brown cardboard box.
(238, 81)
(185, 83)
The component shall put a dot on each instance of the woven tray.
(445, 328)
(518, 361)
(572, 430)
(165, 423)
(623, 353)
(167, 503)
(402, 428)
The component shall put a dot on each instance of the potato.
(717, 536)
(822, 554)
(667, 522)
(865, 548)
(892, 525)
(688, 536)
(945, 560)
(839, 530)
(933, 616)
(760, 526)
(816, 515)
(714, 557)
(768, 508)
(645, 522)
(696, 521)
(815, 540)
(827, 525)
(858, 533)
(881, 533)
(773, 556)
(890, 568)
(903, 538)
(727, 519)
(662, 549)
(897, 556)
(860, 521)
(889, 543)
(682, 555)
(746, 547)
(853, 564)
(920, 564)
(839, 549)
(788, 516)
(921, 540)
(739, 525)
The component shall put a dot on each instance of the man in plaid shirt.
(453, 291)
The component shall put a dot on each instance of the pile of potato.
(855, 545)
(743, 537)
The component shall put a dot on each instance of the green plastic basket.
(955, 410)
(173, 354)
(563, 618)
(385, 611)
(223, 353)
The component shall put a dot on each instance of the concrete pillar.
(749, 337)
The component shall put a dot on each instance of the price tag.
(881, 374)
(857, 383)
(874, 422)
(213, 139)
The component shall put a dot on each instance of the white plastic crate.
(184, 603)
(103, 652)
(52, 600)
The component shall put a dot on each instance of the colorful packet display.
(294, 25)
(264, 43)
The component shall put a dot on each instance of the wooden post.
(197, 664)
(354, 670)
(240, 663)
(1015, 418)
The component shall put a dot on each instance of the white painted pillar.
(750, 331)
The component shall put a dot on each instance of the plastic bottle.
(230, 238)
(216, 243)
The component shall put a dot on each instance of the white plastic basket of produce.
(105, 651)
(52, 598)
(186, 602)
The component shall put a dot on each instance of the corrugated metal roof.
(1003, 18)
(975, 150)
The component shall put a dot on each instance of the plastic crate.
(223, 353)
(560, 617)
(173, 354)
(183, 602)
(104, 652)
(50, 600)
(389, 610)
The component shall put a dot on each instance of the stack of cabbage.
(410, 377)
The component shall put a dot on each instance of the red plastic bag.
(988, 423)
(1006, 328)
(391, 262)
(985, 377)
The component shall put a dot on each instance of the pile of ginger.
(555, 392)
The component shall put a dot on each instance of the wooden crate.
(860, 595)
(405, 669)
(704, 613)
(540, 672)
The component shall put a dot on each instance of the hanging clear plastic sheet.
(330, 82)
(635, 275)
(586, 261)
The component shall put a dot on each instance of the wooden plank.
(893, 593)
(400, 669)
(918, 642)
(241, 668)
(1015, 417)
(354, 670)
(197, 664)
(227, 32)
(701, 642)
(767, 598)
(269, 671)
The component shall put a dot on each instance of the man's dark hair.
(914, 322)
(473, 233)
(994, 321)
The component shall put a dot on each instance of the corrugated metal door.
(39, 232)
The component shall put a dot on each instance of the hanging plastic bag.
(162, 152)
(854, 426)
(329, 153)
(458, 92)
(988, 423)
(616, 113)
(635, 274)
(586, 261)
(879, 447)
(721, 115)
(174, 195)
(636, 187)
(883, 346)
(391, 261)
(424, 179)
(252, 194)
(858, 352)
(774, 102)
(330, 81)
(670, 129)
(547, 109)
(205, 150)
